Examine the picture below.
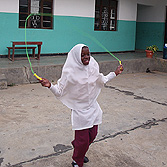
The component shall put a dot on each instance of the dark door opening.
(165, 38)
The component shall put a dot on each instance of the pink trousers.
(83, 138)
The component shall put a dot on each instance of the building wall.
(127, 10)
(78, 8)
(8, 6)
(73, 23)
(150, 27)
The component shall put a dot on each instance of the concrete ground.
(35, 128)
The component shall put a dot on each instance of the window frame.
(109, 7)
(41, 16)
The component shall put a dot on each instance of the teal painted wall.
(149, 33)
(67, 32)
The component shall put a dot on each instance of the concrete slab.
(35, 128)
(3, 82)
(19, 72)
(142, 147)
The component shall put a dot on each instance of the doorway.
(165, 38)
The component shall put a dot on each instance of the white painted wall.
(81, 8)
(127, 10)
(9, 6)
(152, 2)
(142, 10)
(148, 2)
(151, 12)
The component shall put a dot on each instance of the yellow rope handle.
(37, 76)
(120, 64)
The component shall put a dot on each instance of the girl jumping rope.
(78, 88)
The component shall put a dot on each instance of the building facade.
(133, 24)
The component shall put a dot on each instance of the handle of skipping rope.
(37, 76)
(120, 64)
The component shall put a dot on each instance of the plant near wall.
(150, 50)
(153, 48)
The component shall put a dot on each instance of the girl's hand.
(119, 69)
(45, 82)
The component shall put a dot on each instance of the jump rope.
(27, 49)
(82, 32)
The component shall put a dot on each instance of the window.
(43, 21)
(105, 15)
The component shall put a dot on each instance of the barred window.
(105, 15)
(44, 9)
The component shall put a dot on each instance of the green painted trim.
(149, 33)
(67, 32)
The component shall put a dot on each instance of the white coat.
(79, 87)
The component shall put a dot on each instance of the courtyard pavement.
(35, 128)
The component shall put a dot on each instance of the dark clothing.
(83, 138)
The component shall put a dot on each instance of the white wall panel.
(9, 6)
(127, 10)
(148, 10)
(84, 8)
(154, 12)
(152, 2)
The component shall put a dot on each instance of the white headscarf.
(80, 84)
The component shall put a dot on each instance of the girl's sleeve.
(107, 78)
(56, 90)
